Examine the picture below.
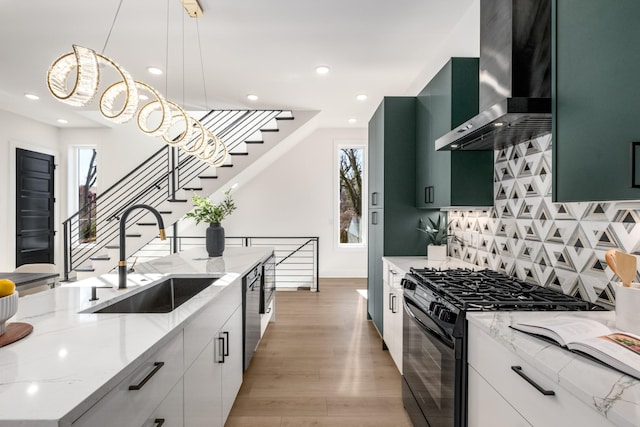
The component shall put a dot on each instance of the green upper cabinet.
(596, 98)
(450, 178)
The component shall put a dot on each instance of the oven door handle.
(407, 302)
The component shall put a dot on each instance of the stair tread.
(239, 154)
(100, 258)
(85, 269)
(177, 200)
(285, 118)
(133, 235)
(208, 177)
(270, 130)
(192, 188)
(254, 142)
(112, 246)
(166, 212)
(147, 223)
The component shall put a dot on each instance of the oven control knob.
(447, 316)
(437, 307)
(408, 284)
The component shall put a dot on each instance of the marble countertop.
(404, 263)
(614, 395)
(71, 359)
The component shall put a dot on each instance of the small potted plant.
(213, 213)
(437, 236)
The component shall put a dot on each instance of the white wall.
(20, 132)
(463, 41)
(295, 197)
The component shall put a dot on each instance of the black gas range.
(434, 333)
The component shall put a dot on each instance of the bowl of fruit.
(8, 302)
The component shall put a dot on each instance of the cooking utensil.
(627, 267)
(610, 257)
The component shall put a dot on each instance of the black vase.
(215, 239)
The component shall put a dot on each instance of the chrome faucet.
(122, 264)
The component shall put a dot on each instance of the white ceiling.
(265, 47)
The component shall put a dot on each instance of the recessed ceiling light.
(155, 71)
(322, 69)
(143, 97)
(252, 97)
(352, 120)
(362, 97)
(63, 121)
(31, 96)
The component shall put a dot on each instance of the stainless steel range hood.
(515, 77)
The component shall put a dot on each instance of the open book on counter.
(619, 350)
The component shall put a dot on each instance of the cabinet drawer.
(488, 408)
(170, 412)
(202, 328)
(124, 407)
(494, 363)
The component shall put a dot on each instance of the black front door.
(34, 207)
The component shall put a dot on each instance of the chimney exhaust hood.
(515, 77)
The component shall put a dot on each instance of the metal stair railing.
(297, 258)
(155, 180)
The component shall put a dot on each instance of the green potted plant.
(213, 213)
(437, 237)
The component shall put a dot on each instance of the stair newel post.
(67, 250)
(173, 171)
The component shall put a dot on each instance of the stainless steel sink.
(162, 297)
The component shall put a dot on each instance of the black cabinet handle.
(427, 191)
(226, 341)
(221, 349)
(156, 368)
(374, 218)
(159, 422)
(374, 198)
(518, 370)
(393, 303)
(431, 194)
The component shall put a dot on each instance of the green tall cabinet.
(596, 99)
(393, 216)
(450, 178)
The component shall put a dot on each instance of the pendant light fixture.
(120, 101)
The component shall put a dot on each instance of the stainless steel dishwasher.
(251, 310)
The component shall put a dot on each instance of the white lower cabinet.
(213, 380)
(132, 401)
(170, 413)
(392, 312)
(510, 380)
(488, 408)
(191, 381)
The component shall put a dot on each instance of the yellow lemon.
(6, 287)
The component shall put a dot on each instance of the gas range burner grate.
(488, 290)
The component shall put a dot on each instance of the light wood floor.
(321, 364)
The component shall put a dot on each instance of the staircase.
(166, 181)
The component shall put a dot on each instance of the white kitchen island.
(74, 362)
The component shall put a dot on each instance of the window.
(351, 178)
(86, 185)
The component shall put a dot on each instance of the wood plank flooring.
(321, 364)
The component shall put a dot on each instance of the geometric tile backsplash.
(558, 245)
